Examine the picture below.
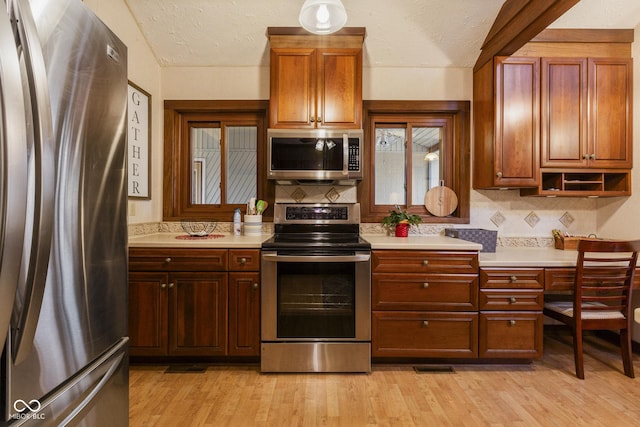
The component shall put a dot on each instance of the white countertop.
(431, 242)
(171, 240)
(503, 257)
(528, 257)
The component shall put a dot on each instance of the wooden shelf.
(582, 183)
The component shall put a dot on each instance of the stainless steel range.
(316, 291)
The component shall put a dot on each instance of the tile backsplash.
(520, 221)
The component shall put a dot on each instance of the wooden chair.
(601, 296)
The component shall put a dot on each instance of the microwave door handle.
(35, 276)
(345, 154)
(316, 258)
(13, 172)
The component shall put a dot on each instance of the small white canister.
(252, 225)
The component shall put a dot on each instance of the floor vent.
(181, 369)
(434, 369)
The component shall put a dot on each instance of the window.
(213, 157)
(412, 147)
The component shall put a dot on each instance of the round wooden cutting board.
(441, 201)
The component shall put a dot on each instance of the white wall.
(144, 71)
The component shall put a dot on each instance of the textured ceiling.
(400, 33)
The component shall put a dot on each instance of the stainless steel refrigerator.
(63, 238)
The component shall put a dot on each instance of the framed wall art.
(138, 142)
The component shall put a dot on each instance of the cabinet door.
(244, 314)
(564, 112)
(517, 132)
(610, 90)
(148, 298)
(293, 88)
(511, 335)
(198, 307)
(339, 102)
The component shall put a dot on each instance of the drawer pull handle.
(255, 286)
(425, 285)
(425, 323)
(512, 300)
(512, 322)
(425, 262)
(163, 285)
(167, 260)
(513, 279)
(243, 260)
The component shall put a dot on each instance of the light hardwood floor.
(545, 393)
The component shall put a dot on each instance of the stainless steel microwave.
(315, 155)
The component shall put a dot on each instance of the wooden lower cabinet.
(424, 304)
(424, 334)
(202, 302)
(511, 302)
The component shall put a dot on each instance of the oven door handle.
(316, 258)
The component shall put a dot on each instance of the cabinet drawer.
(455, 262)
(530, 278)
(511, 335)
(511, 299)
(424, 334)
(559, 279)
(159, 259)
(244, 259)
(562, 279)
(447, 292)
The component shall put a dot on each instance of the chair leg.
(577, 353)
(625, 348)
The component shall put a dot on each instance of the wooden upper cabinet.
(316, 81)
(586, 113)
(507, 123)
(610, 124)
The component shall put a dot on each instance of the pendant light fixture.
(322, 16)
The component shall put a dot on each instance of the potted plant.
(401, 220)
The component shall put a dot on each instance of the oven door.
(316, 297)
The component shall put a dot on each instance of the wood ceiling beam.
(517, 23)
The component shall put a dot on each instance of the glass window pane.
(390, 166)
(205, 165)
(425, 160)
(242, 162)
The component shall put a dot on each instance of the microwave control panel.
(354, 155)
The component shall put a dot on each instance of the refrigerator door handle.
(26, 319)
(13, 172)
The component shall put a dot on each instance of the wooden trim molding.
(517, 23)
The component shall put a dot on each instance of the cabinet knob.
(243, 260)
(255, 286)
(425, 262)
(425, 323)
(585, 156)
(513, 279)
(425, 285)
(512, 300)
(499, 174)
(163, 286)
(592, 156)
(319, 119)
(512, 322)
(171, 285)
(167, 260)
(312, 119)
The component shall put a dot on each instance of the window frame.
(177, 155)
(457, 174)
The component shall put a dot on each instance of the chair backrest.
(604, 278)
